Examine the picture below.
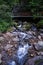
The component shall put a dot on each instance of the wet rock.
(8, 46)
(22, 35)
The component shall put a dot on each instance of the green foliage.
(6, 11)
(3, 25)
(40, 24)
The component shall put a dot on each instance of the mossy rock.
(14, 23)
(27, 26)
(10, 29)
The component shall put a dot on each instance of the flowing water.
(22, 52)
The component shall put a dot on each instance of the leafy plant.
(40, 24)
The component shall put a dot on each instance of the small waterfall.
(22, 53)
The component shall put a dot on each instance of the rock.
(40, 53)
(39, 45)
(29, 32)
(9, 34)
(1, 38)
(41, 30)
(33, 28)
(0, 58)
(41, 34)
(8, 46)
(16, 39)
(34, 33)
(39, 37)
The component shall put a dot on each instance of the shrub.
(40, 24)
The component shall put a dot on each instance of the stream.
(24, 48)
